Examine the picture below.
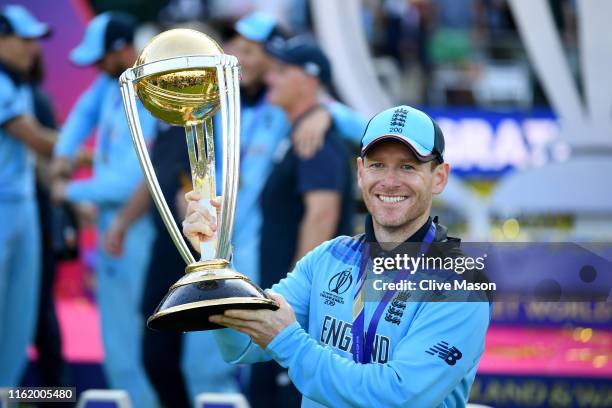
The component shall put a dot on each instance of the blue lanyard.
(363, 343)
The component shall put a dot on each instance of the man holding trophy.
(400, 169)
(183, 78)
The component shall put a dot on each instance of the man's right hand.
(115, 235)
(199, 225)
(61, 168)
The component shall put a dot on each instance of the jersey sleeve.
(295, 288)
(412, 377)
(11, 106)
(82, 119)
(326, 170)
(118, 185)
(350, 124)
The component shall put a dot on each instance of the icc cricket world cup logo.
(340, 282)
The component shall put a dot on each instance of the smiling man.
(342, 348)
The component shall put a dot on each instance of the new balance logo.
(450, 354)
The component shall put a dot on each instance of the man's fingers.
(193, 196)
(279, 299)
(246, 315)
(216, 202)
(231, 322)
(200, 222)
(196, 208)
(194, 230)
(200, 215)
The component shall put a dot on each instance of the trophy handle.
(129, 97)
(227, 76)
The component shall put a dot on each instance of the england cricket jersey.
(422, 354)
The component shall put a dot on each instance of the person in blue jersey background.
(304, 202)
(264, 127)
(343, 353)
(21, 138)
(108, 44)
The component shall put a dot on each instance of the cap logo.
(118, 44)
(312, 69)
(277, 42)
(398, 120)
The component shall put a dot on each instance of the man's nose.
(390, 179)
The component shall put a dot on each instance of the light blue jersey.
(116, 168)
(263, 127)
(17, 161)
(19, 235)
(404, 371)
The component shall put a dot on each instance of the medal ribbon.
(363, 342)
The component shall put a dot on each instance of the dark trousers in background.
(48, 340)
(52, 370)
(270, 387)
(162, 350)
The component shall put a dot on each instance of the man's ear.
(359, 171)
(440, 178)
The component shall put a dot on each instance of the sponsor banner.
(596, 315)
(482, 143)
(504, 391)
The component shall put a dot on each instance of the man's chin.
(389, 222)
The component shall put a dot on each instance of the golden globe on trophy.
(183, 78)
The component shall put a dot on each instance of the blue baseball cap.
(304, 53)
(258, 27)
(17, 20)
(108, 31)
(407, 125)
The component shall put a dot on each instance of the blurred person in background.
(266, 131)
(108, 44)
(304, 201)
(405, 26)
(264, 126)
(51, 366)
(454, 22)
(21, 137)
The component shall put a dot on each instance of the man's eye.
(376, 165)
(407, 167)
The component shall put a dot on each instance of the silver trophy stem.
(129, 97)
(202, 162)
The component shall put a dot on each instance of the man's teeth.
(392, 199)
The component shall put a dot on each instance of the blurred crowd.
(430, 52)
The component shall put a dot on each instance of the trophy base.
(208, 288)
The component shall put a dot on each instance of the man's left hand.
(58, 191)
(260, 325)
(309, 135)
